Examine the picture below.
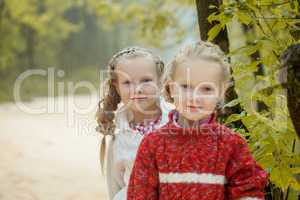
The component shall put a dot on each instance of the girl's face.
(196, 88)
(137, 83)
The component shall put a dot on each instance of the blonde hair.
(201, 49)
(105, 114)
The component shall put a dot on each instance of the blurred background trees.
(79, 36)
(67, 35)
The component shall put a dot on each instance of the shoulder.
(232, 144)
(229, 137)
(154, 139)
(126, 141)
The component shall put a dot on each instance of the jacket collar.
(203, 126)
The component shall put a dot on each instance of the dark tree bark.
(291, 60)
(29, 34)
(203, 12)
(222, 40)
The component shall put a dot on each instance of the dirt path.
(47, 157)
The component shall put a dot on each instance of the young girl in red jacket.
(193, 157)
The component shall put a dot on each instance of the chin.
(194, 116)
(143, 106)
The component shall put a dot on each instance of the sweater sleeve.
(246, 180)
(113, 175)
(143, 183)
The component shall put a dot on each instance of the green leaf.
(212, 6)
(234, 117)
(281, 177)
(243, 17)
(295, 170)
(213, 17)
(267, 161)
(213, 32)
(294, 184)
(246, 50)
(232, 103)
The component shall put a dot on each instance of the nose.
(190, 94)
(136, 88)
(194, 97)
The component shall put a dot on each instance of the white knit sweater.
(121, 154)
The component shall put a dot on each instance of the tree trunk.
(291, 60)
(29, 53)
(203, 12)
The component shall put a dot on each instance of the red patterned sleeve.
(246, 180)
(143, 183)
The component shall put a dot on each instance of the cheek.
(178, 96)
(210, 104)
(124, 93)
(180, 102)
(150, 89)
(182, 96)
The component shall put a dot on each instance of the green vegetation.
(66, 35)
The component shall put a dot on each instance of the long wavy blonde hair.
(105, 114)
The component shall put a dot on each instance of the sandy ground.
(49, 156)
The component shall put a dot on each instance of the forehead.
(197, 71)
(137, 66)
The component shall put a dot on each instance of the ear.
(167, 91)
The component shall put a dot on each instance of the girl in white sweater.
(133, 81)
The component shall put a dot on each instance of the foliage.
(152, 22)
(271, 27)
(23, 19)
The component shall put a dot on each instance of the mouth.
(194, 108)
(138, 98)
